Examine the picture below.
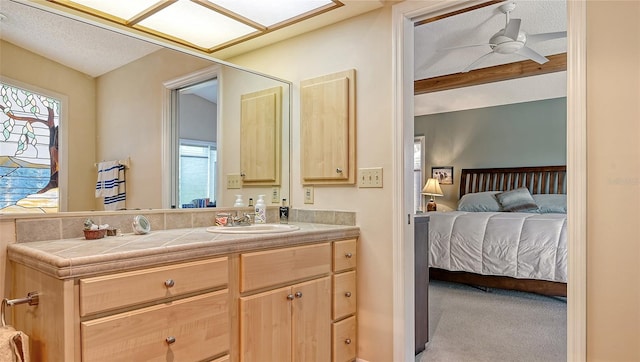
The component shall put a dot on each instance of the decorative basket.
(95, 234)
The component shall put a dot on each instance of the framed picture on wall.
(444, 174)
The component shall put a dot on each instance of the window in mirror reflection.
(28, 151)
(196, 125)
(197, 177)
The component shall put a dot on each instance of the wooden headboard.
(539, 180)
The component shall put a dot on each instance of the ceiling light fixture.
(206, 25)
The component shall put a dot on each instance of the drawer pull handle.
(338, 170)
(171, 340)
(298, 294)
(348, 255)
(169, 283)
(290, 297)
(347, 294)
(347, 341)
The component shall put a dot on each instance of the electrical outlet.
(370, 177)
(275, 195)
(308, 194)
(234, 181)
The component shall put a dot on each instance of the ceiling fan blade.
(532, 54)
(465, 46)
(512, 29)
(476, 62)
(546, 36)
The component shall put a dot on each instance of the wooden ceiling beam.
(527, 68)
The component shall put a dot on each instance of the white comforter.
(519, 245)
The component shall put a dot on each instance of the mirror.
(125, 113)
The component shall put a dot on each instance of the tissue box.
(95, 234)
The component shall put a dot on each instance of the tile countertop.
(73, 258)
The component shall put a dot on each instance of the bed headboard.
(539, 180)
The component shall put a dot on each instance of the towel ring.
(32, 298)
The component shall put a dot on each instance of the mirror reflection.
(131, 111)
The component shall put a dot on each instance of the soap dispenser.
(261, 211)
(239, 202)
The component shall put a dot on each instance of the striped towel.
(111, 185)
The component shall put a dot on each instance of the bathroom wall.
(362, 43)
(522, 134)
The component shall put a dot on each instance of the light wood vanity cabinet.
(293, 304)
(189, 329)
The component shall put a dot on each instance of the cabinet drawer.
(125, 289)
(344, 255)
(199, 326)
(344, 340)
(344, 294)
(273, 267)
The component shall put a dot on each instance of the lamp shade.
(432, 187)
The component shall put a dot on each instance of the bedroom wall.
(523, 134)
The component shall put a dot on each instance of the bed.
(509, 231)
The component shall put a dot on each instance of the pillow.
(518, 200)
(551, 203)
(479, 201)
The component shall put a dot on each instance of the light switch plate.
(308, 194)
(370, 177)
(275, 195)
(234, 181)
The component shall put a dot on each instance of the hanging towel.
(14, 345)
(111, 185)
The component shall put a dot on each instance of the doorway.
(404, 16)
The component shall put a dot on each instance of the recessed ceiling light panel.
(124, 9)
(271, 12)
(193, 23)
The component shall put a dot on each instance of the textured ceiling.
(477, 27)
(86, 48)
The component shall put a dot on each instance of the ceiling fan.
(511, 40)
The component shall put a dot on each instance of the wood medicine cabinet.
(260, 141)
(328, 126)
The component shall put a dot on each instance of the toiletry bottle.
(261, 211)
(284, 212)
(239, 202)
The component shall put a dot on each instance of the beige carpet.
(468, 324)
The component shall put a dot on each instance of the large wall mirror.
(142, 108)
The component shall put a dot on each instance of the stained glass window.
(28, 151)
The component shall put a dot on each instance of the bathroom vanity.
(191, 295)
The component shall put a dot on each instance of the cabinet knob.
(171, 340)
(347, 294)
(290, 297)
(298, 294)
(338, 170)
(347, 341)
(169, 283)
(242, 174)
(348, 255)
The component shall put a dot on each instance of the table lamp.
(432, 188)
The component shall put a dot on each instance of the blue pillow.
(551, 203)
(518, 200)
(479, 201)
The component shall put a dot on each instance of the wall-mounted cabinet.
(260, 137)
(328, 129)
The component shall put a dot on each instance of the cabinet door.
(265, 326)
(327, 118)
(260, 129)
(312, 321)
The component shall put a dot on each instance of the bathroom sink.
(253, 229)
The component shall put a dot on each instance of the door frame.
(403, 17)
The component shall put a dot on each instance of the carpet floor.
(467, 324)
